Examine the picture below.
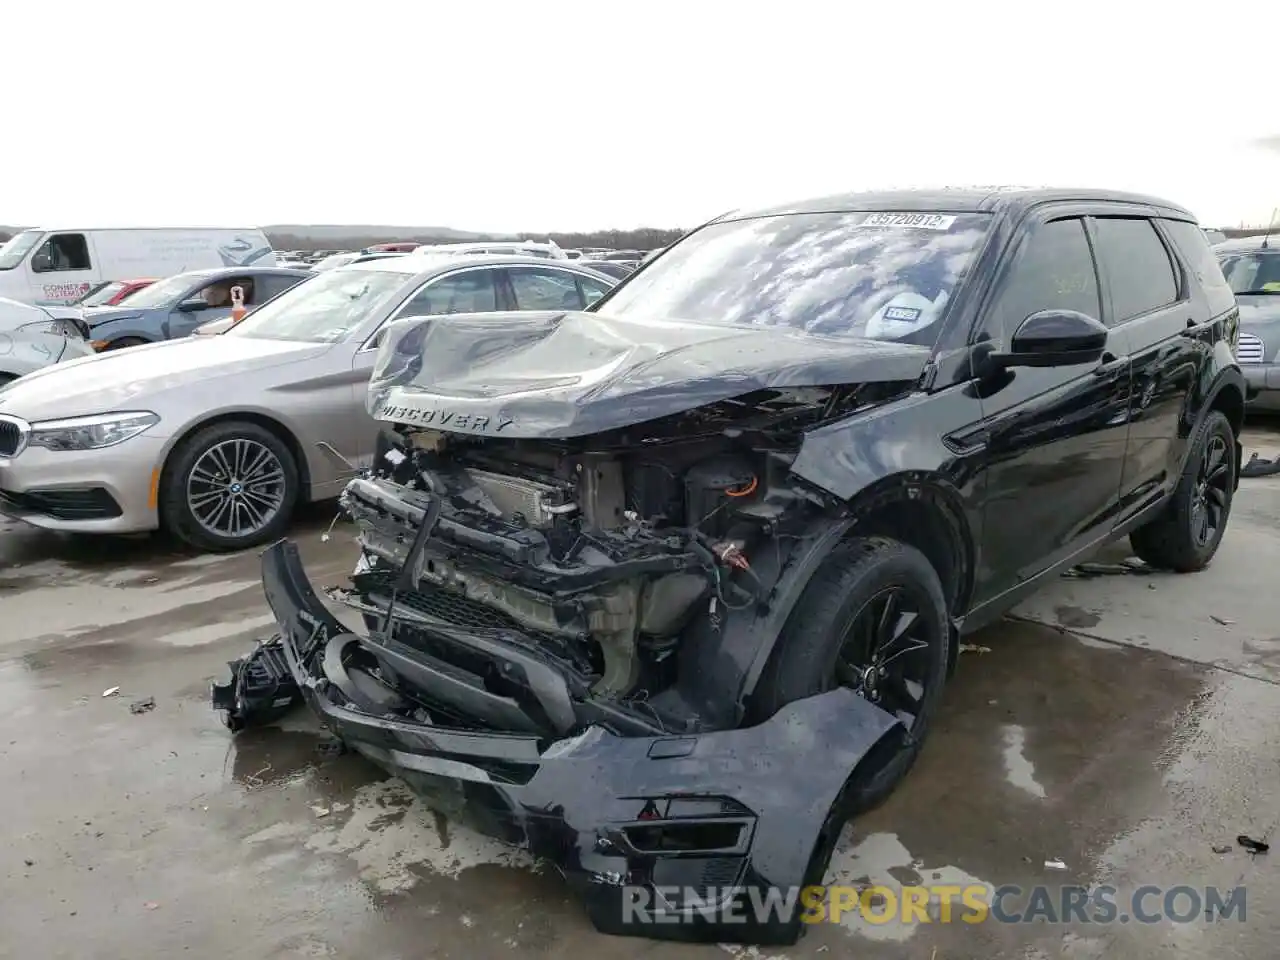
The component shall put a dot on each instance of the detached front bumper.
(708, 837)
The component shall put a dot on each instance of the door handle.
(1108, 363)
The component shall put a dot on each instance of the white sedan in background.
(32, 337)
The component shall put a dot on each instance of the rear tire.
(1178, 538)
(813, 650)
(228, 487)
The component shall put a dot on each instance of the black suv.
(666, 589)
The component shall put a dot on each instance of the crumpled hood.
(573, 374)
(128, 379)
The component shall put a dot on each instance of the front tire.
(873, 618)
(1187, 532)
(124, 343)
(229, 487)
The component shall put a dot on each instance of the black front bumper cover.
(628, 820)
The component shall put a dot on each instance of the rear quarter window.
(1199, 257)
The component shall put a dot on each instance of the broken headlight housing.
(58, 327)
(92, 432)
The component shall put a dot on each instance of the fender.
(1229, 376)
(893, 452)
(108, 331)
(720, 668)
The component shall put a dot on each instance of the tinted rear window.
(1138, 266)
(1193, 245)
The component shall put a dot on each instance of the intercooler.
(516, 495)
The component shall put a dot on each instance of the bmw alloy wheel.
(236, 488)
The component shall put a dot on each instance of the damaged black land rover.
(665, 590)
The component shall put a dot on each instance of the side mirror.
(41, 262)
(194, 305)
(1054, 338)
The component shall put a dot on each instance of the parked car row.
(215, 439)
(278, 370)
(59, 266)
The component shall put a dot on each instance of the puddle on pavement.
(1030, 739)
(269, 756)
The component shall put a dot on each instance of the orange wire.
(751, 488)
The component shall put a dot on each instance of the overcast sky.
(500, 115)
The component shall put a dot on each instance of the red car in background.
(112, 292)
(397, 247)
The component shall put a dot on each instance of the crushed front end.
(543, 622)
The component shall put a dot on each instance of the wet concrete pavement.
(1126, 725)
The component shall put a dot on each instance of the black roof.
(963, 200)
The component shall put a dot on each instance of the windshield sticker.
(916, 221)
(903, 314)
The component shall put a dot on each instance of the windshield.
(162, 293)
(1253, 273)
(101, 296)
(886, 276)
(323, 309)
(12, 253)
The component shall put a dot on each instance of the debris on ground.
(151, 905)
(1252, 845)
(1260, 466)
(110, 691)
(1222, 848)
(1127, 567)
(973, 648)
(1055, 864)
(143, 706)
(1222, 620)
(320, 811)
(29, 863)
(261, 689)
(329, 748)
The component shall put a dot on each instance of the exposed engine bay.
(543, 585)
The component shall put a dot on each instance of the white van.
(44, 266)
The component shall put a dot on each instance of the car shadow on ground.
(22, 544)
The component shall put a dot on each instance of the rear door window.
(592, 290)
(539, 289)
(269, 286)
(1139, 270)
(468, 291)
(1193, 245)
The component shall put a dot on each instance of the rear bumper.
(670, 837)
